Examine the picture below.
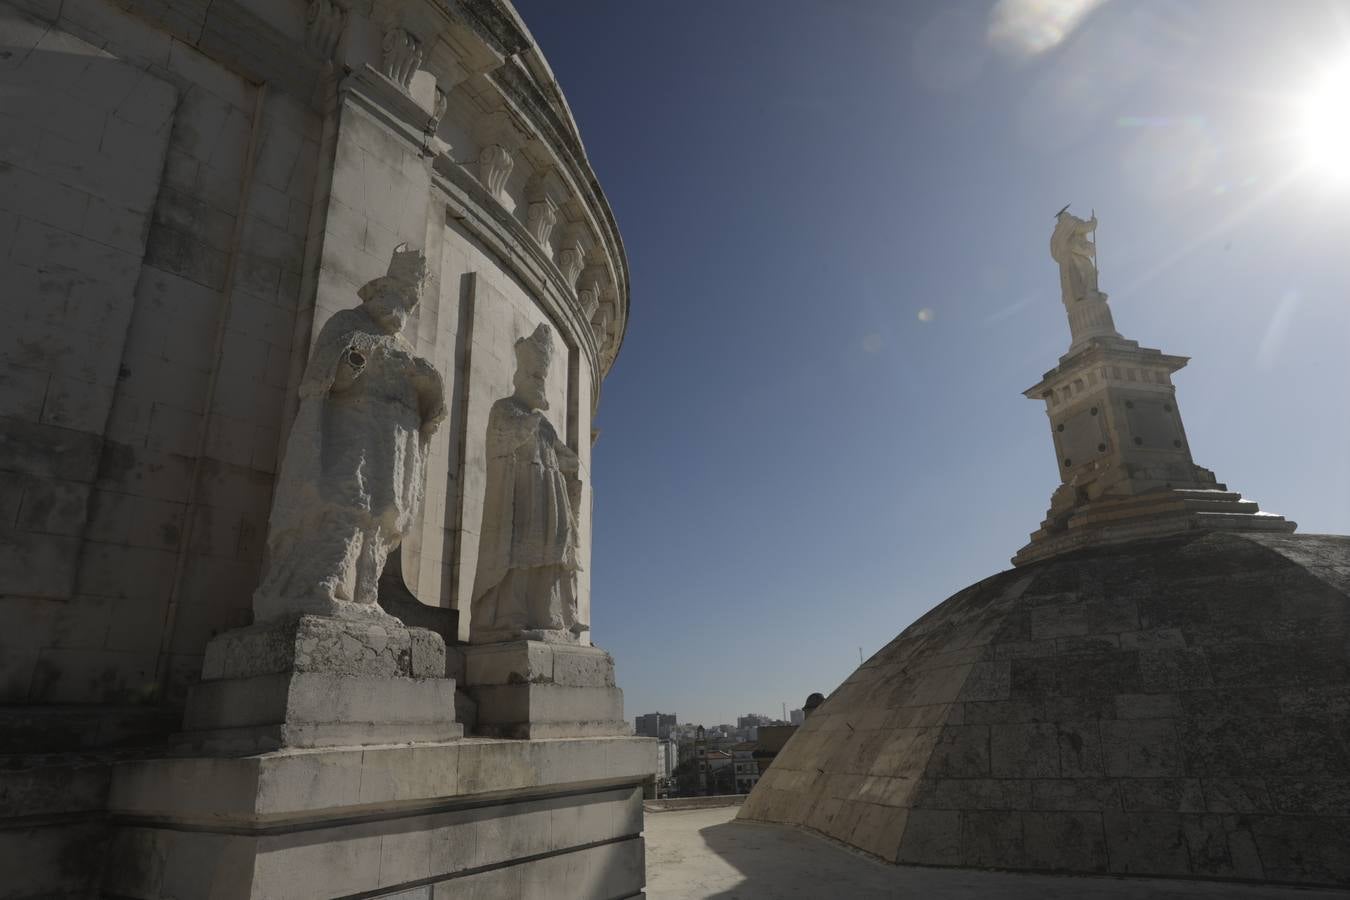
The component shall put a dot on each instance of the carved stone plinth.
(315, 681)
(532, 689)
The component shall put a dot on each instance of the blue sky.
(795, 463)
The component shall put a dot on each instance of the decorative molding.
(542, 216)
(576, 243)
(495, 163)
(600, 320)
(324, 21)
(402, 55)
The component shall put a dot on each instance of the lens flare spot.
(1325, 125)
(926, 315)
(1028, 28)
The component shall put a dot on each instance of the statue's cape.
(528, 518)
(297, 489)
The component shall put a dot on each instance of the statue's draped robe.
(353, 473)
(1070, 248)
(528, 548)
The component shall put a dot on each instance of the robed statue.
(1076, 255)
(354, 469)
(529, 554)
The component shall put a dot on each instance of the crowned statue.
(526, 583)
(354, 469)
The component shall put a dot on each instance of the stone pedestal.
(533, 689)
(315, 681)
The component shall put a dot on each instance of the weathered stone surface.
(1195, 744)
(501, 805)
(319, 681)
(325, 644)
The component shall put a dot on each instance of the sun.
(1325, 125)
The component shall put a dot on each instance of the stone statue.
(1076, 255)
(528, 558)
(355, 464)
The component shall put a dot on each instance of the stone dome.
(1170, 707)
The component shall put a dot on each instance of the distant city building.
(658, 725)
(771, 740)
(797, 717)
(665, 758)
(746, 767)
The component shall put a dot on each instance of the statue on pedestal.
(529, 546)
(1076, 255)
(355, 463)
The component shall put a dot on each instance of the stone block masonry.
(1173, 707)
(188, 192)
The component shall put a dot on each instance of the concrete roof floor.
(701, 854)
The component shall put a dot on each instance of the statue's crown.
(537, 347)
(408, 264)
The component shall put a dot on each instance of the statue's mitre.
(408, 264)
(537, 347)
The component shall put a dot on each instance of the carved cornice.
(324, 21)
(507, 238)
(554, 126)
(492, 25)
(402, 55)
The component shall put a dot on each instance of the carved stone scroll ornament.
(402, 55)
(600, 320)
(324, 21)
(495, 163)
(543, 215)
(571, 259)
(354, 471)
(442, 103)
(591, 289)
(526, 583)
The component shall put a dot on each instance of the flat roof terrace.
(702, 854)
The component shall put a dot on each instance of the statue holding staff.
(1076, 255)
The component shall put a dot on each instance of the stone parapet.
(509, 818)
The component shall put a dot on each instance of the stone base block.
(1152, 514)
(320, 682)
(533, 689)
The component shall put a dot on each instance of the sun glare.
(1326, 124)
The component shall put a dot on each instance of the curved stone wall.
(450, 133)
(231, 172)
